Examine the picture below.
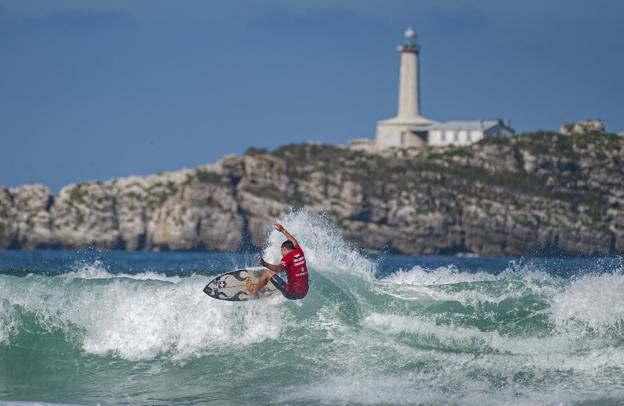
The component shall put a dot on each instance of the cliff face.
(541, 192)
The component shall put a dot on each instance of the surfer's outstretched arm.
(264, 279)
(272, 267)
(288, 235)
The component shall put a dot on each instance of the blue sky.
(95, 90)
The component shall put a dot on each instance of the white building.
(410, 129)
(466, 132)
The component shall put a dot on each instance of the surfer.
(293, 262)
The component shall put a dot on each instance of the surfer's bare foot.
(250, 286)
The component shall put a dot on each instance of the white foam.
(442, 336)
(443, 275)
(595, 301)
(539, 353)
(326, 320)
(135, 320)
(366, 390)
(322, 243)
(435, 285)
(9, 323)
(479, 288)
(448, 275)
(454, 382)
(98, 270)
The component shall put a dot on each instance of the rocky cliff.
(540, 192)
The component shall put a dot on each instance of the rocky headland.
(536, 193)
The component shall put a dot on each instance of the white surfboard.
(231, 285)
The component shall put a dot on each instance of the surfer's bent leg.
(264, 279)
(281, 286)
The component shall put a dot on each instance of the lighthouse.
(409, 84)
(408, 127)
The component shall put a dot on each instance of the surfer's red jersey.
(297, 272)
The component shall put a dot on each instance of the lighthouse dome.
(409, 42)
(410, 33)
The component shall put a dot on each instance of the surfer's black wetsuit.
(280, 284)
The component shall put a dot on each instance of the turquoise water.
(136, 328)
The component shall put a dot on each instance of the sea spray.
(9, 323)
(135, 317)
(324, 247)
(593, 303)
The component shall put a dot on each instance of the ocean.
(92, 327)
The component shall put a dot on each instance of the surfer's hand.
(279, 228)
(262, 261)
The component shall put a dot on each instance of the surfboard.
(231, 285)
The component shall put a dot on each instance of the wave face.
(119, 328)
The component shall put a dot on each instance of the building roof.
(467, 125)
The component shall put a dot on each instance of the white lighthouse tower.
(408, 128)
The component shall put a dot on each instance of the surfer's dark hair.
(288, 245)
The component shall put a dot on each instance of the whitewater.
(136, 328)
